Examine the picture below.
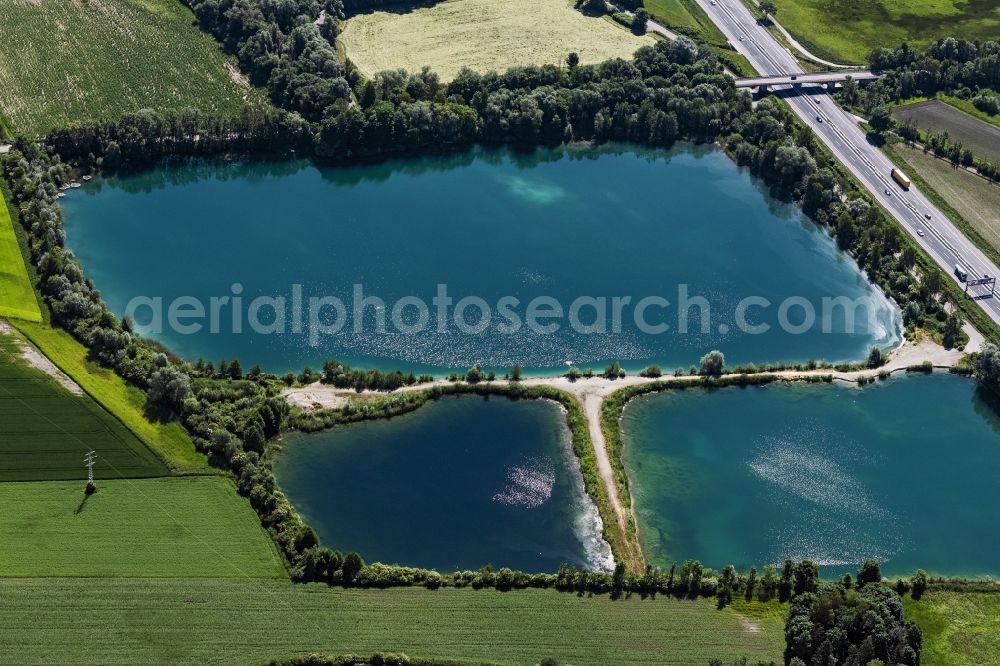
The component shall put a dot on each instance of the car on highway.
(793, 77)
(819, 119)
(920, 232)
(927, 215)
(817, 101)
(961, 274)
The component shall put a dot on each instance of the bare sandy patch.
(749, 626)
(37, 360)
(236, 76)
(316, 396)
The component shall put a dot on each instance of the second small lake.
(904, 471)
(459, 483)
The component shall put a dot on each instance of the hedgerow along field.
(17, 297)
(71, 60)
(937, 117)
(191, 527)
(251, 621)
(959, 628)
(45, 430)
(848, 30)
(126, 403)
(482, 35)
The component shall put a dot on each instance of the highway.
(841, 134)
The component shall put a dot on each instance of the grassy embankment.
(45, 430)
(483, 35)
(847, 31)
(17, 297)
(158, 528)
(127, 403)
(686, 17)
(63, 61)
(959, 627)
(73, 621)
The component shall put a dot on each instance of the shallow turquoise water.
(565, 224)
(904, 471)
(457, 484)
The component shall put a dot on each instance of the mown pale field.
(483, 35)
(72, 60)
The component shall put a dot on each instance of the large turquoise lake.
(904, 471)
(570, 226)
(457, 484)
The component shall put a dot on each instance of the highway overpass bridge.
(831, 79)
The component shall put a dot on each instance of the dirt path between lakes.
(590, 393)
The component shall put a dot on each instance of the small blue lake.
(459, 483)
(904, 471)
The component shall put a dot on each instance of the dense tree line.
(283, 46)
(948, 65)
(342, 375)
(377, 659)
(840, 624)
(147, 137)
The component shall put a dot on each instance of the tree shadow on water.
(986, 403)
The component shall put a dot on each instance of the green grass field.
(168, 527)
(959, 629)
(72, 621)
(17, 297)
(685, 14)
(66, 60)
(937, 117)
(848, 30)
(45, 430)
(974, 199)
(127, 403)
